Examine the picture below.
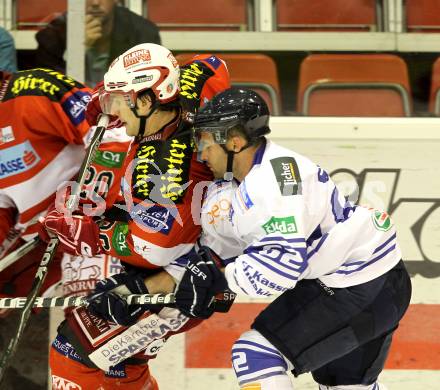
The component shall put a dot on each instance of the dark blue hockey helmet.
(230, 108)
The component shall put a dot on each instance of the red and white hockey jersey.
(42, 136)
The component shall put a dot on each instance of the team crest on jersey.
(17, 159)
(157, 218)
(381, 220)
(287, 174)
(6, 135)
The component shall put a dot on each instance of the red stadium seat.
(434, 96)
(255, 71)
(348, 15)
(37, 13)
(422, 15)
(200, 14)
(354, 85)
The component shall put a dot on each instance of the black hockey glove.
(201, 282)
(106, 302)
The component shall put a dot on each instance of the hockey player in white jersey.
(283, 230)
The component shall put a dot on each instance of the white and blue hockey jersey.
(286, 221)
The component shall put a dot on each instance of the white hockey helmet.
(143, 67)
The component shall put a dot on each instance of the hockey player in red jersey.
(42, 136)
(151, 227)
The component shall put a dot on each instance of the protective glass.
(112, 102)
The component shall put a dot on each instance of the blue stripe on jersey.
(277, 239)
(316, 235)
(321, 241)
(273, 269)
(282, 249)
(258, 156)
(340, 212)
(385, 243)
(254, 344)
(236, 281)
(379, 248)
(177, 265)
(268, 252)
(366, 264)
(257, 378)
(252, 361)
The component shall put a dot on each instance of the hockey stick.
(12, 257)
(134, 299)
(49, 254)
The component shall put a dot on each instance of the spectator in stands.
(8, 56)
(109, 31)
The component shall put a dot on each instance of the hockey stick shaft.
(135, 299)
(12, 257)
(52, 247)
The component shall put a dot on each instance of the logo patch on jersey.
(17, 159)
(287, 173)
(6, 135)
(381, 220)
(109, 159)
(157, 218)
(282, 225)
(119, 239)
(59, 383)
(75, 106)
(191, 83)
(117, 371)
(243, 197)
(37, 82)
(135, 57)
(214, 61)
(63, 347)
(161, 172)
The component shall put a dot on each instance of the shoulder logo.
(381, 220)
(282, 225)
(287, 174)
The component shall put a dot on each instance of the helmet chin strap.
(228, 176)
(143, 118)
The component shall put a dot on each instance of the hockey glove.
(201, 282)
(79, 234)
(105, 301)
